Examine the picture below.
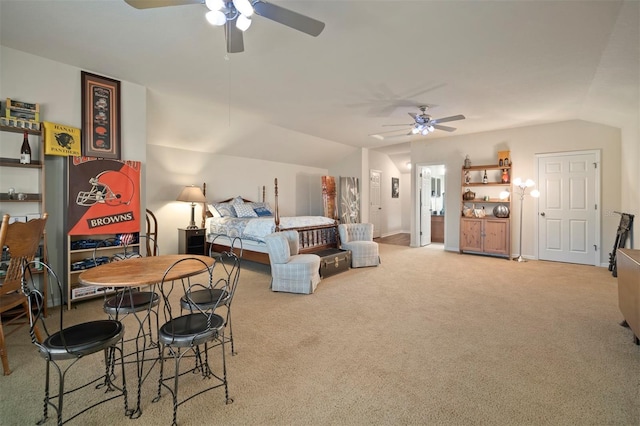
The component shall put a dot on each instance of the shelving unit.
(27, 179)
(81, 259)
(488, 234)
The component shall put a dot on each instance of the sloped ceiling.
(294, 98)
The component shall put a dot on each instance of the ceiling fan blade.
(235, 40)
(445, 119)
(148, 4)
(288, 17)
(413, 115)
(389, 125)
(445, 128)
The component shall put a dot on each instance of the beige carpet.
(428, 337)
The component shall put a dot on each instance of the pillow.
(225, 209)
(214, 212)
(237, 200)
(244, 210)
(262, 211)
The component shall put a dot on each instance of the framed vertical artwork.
(100, 116)
(395, 187)
(349, 200)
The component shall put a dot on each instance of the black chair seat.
(130, 302)
(190, 330)
(205, 299)
(82, 339)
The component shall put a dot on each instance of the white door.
(425, 206)
(568, 228)
(375, 211)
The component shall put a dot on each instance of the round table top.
(139, 271)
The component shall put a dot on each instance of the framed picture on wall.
(100, 116)
(395, 187)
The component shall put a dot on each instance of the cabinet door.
(496, 232)
(471, 234)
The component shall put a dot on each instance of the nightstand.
(191, 241)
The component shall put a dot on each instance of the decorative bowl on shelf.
(468, 195)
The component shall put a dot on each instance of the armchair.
(358, 237)
(290, 271)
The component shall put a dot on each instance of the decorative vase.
(501, 211)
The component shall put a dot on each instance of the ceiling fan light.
(415, 131)
(430, 128)
(216, 18)
(214, 4)
(244, 7)
(243, 23)
(425, 131)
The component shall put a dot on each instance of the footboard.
(316, 238)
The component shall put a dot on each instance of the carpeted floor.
(428, 337)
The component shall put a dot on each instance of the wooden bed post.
(204, 205)
(276, 214)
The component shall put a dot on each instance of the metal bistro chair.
(206, 299)
(22, 241)
(133, 302)
(190, 335)
(63, 347)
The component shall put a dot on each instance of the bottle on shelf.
(485, 179)
(25, 150)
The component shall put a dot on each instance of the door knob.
(542, 214)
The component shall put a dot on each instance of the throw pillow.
(225, 209)
(237, 200)
(214, 211)
(262, 211)
(244, 210)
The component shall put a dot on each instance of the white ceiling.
(500, 63)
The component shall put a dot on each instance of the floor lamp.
(521, 188)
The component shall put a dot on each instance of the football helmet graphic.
(110, 187)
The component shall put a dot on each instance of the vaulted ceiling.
(501, 64)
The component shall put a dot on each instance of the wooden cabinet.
(27, 201)
(628, 267)
(481, 231)
(437, 229)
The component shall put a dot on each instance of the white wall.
(57, 88)
(524, 143)
(392, 208)
(170, 169)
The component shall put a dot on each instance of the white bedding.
(255, 229)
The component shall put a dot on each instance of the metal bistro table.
(138, 272)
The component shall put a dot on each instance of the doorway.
(430, 202)
(568, 222)
(375, 205)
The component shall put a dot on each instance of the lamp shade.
(192, 194)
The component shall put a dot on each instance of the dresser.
(628, 265)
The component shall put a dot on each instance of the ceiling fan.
(235, 15)
(423, 124)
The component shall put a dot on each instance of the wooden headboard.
(205, 209)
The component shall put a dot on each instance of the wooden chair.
(152, 234)
(22, 240)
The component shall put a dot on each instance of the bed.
(242, 224)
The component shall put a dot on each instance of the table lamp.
(192, 194)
